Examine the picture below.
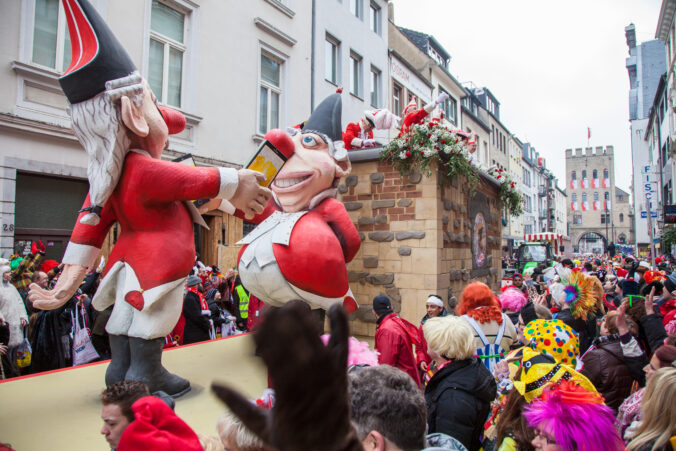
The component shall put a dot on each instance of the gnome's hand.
(250, 197)
(310, 381)
(70, 279)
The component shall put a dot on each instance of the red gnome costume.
(116, 118)
(305, 237)
(359, 135)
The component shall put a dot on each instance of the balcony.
(542, 191)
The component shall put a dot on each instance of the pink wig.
(577, 419)
(512, 299)
(358, 352)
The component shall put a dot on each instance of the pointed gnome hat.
(325, 120)
(97, 55)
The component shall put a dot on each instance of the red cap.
(174, 119)
(282, 141)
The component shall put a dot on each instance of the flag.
(585, 206)
(607, 205)
(606, 183)
(597, 205)
(595, 183)
(573, 184)
(585, 183)
(588, 133)
(573, 206)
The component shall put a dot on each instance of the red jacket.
(352, 131)
(321, 243)
(156, 229)
(395, 338)
(416, 117)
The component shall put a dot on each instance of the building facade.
(590, 175)
(529, 190)
(185, 49)
(645, 65)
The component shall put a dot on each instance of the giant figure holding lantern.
(298, 251)
(116, 118)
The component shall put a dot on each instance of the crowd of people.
(32, 340)
(577, 356)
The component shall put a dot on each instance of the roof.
(422, 40)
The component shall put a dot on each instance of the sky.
(555, 67)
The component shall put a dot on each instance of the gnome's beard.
(98, 127)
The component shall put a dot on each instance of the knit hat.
(644, 264)
(670, 282)
(411, 107)
(48, 265)
(14, 263)
(193, 280)
(554, 338)
(628, 287)
(382, 304)
(211, 294)
(157, 427)
(4, 269)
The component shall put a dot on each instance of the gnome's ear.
(343, 168)
(133, 117)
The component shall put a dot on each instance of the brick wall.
(416, 238)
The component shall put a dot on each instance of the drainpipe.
(312, 61)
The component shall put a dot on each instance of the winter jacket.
(196, 325)
(458, 401)
(13, 311)
(395, 345)
(421, 350)
(653, 328)
(604, 365)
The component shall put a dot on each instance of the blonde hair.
(229, 425)
(658, 408)
(450, 336)
(210, 442)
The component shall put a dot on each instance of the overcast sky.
(555, 67)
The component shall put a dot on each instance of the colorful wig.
(579, 294)
(513, 299)
(576, 418)
(359, 352)
(479, 302)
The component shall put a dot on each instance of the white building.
(234, 69)
(529, 190)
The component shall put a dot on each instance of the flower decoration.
(425, 144)
(579, 293)
(511, 198)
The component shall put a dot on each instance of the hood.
(468, 375)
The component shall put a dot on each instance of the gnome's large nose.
(281, 140)
(174, 119)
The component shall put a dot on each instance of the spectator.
(116, 411)
(576, 300)
(517, 282)
(493, 331)
(512, 428)
(434, 306)
(235, 436)
(553, 338)
(240, 303)
(658, 410)
(21, 275)
(395, 338)
(459, 394)
(512, 302)
(387, 409)
(569, 418)
(196, 312)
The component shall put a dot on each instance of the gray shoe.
(119, 359)
(146, 366)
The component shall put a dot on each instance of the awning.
(544, 236)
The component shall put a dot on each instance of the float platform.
(61, 410)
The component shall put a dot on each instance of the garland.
(425, 144)
(511, 198)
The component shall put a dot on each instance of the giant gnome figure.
(117, 119)
(305, 236)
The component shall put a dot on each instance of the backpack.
(489, 353)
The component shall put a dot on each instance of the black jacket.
(586, 329)
(458, 401)
(196, 325)
(652, 328)
(606, 367)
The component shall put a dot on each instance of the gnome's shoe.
(146, 366)
(119, 359)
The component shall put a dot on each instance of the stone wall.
(416, 237)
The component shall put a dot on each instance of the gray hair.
(336, 148)
(98, 126)
(229, 425)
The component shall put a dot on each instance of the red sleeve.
(336, 217)
(93, 235)
(413, 118)
(421, 349)
(166, 181)
(388, 346)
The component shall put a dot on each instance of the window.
(331, 58)
(573, 175)
(605, 218)
(449, 107)
(270, 93)
(527, 229)
(355, 7)
(605, 173)
(396, 98)
(355, 74)
(375, 87)
(606, 196)
(595, 174)
(596, 196)
(584, 174)
(167, 47)
(574, 197)
(577, 219)
(374, 19)
(493, 134)
(620, 197)
(51, 43)
(528, 207)
(584, 197)
(621, 217)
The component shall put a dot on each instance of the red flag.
(588, 132)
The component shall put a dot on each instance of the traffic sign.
(644, 214)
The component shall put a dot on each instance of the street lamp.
(606, 220)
